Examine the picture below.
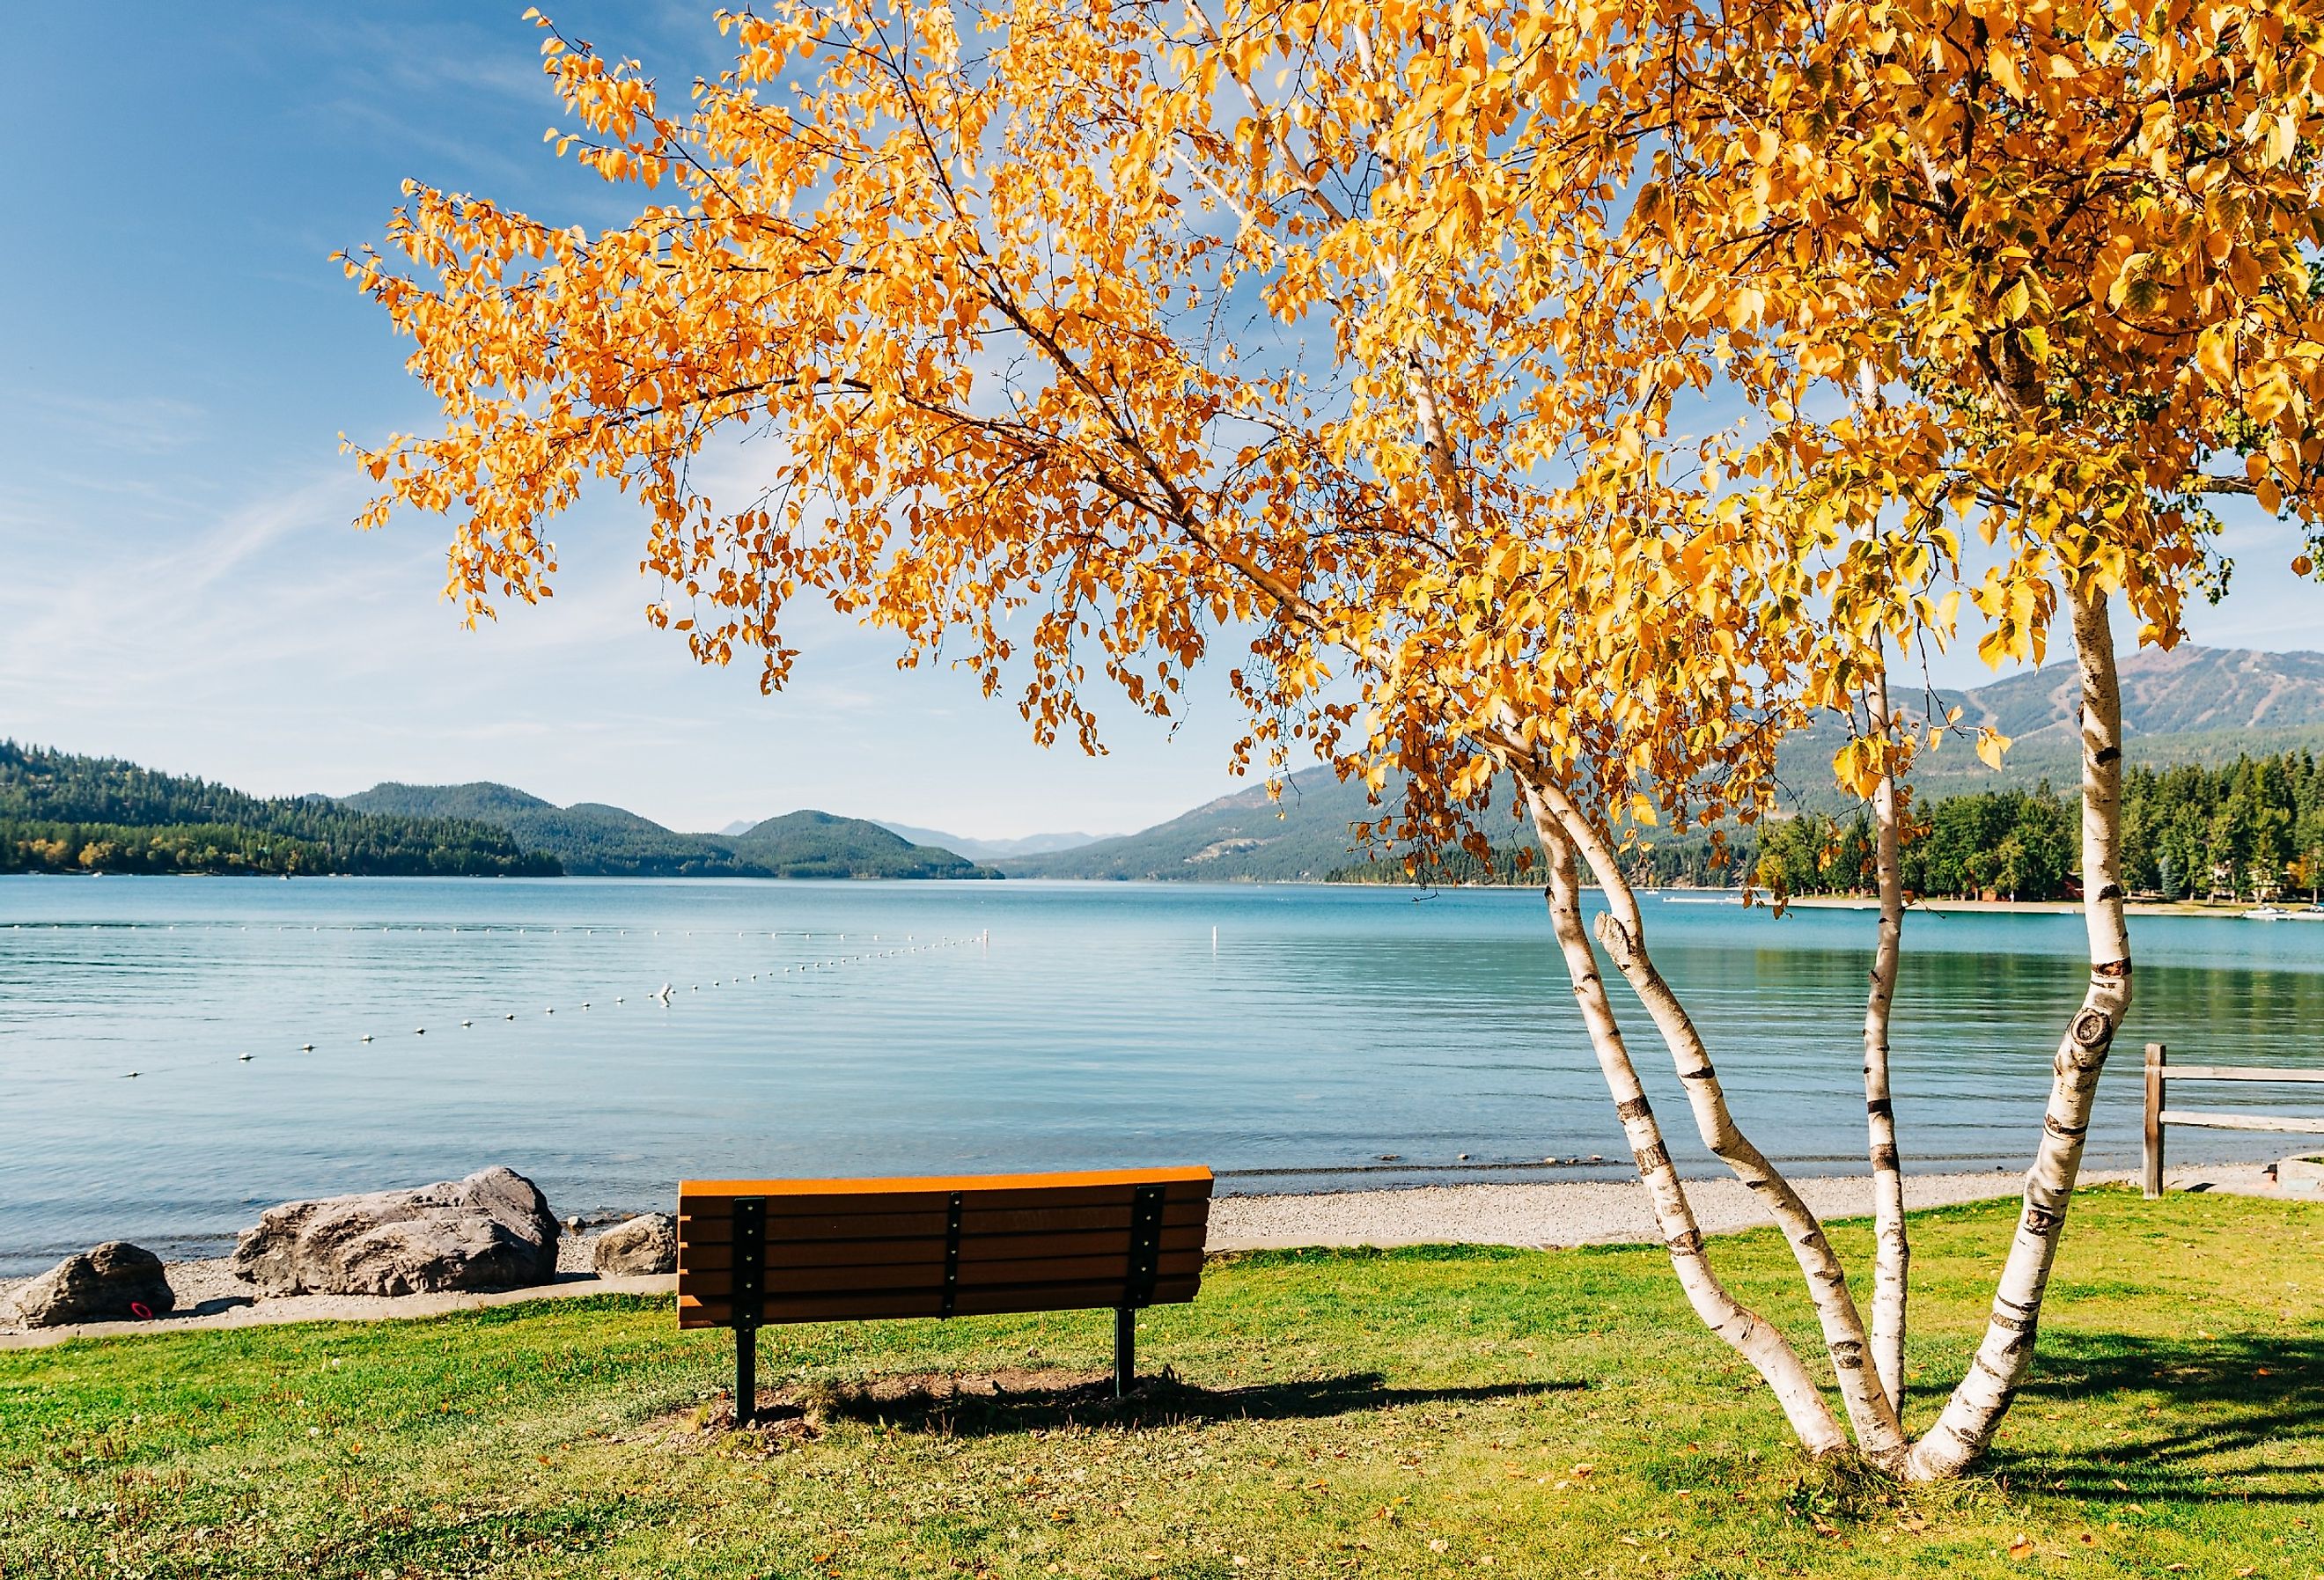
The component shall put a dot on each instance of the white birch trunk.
(1893, 1252)
(1975, 1410)
(1878, 1435)
(1749, 1334)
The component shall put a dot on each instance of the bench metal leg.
(1125, 1349)
(749, 1297)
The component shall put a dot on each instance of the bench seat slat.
(942, 1186)
(783, 1283)
(930, 1249)
(1003, 1200)
(697, 1311)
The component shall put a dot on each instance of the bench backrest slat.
(976, 1244)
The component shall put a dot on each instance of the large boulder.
(493, 1230)
(646, 1243)
(103, 1285)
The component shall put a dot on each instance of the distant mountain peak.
(2182, 691)
(990, 850)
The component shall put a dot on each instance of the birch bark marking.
(1893, 1253)
(1878, 1435)
(1975, 1410)
(1744, 1331)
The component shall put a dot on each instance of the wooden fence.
(2159, 1069)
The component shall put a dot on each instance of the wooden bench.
(753, 1252)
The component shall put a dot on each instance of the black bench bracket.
(1137, 1287)
(952, 1254)
(750, 1300)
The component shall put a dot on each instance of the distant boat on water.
(2268, 913)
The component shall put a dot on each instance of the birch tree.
(1355, 339)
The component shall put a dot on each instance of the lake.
(1292, 1037)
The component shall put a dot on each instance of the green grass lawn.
(1419, 1412)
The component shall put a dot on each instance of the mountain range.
(59, 812)
(2194, 704)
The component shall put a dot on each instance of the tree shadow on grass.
(993, 1404)
(2195, 1416)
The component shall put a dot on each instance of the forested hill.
(593, 840)
(586, 839)
(59, 813)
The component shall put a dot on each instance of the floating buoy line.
(664, 995)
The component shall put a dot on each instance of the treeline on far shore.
(2249, 830)
(61, 813)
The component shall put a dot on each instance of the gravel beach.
(1567, 1212)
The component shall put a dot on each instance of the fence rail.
(2160, 1070)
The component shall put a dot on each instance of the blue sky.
(179, 583)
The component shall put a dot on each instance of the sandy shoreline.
(1561, 1214)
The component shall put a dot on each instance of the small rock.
(493, 1230)
(101, 1285)
(646, 1243)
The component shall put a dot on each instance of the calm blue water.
(1098, 1025)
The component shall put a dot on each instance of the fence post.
(2156, 1056)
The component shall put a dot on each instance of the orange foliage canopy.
(1357, 334)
